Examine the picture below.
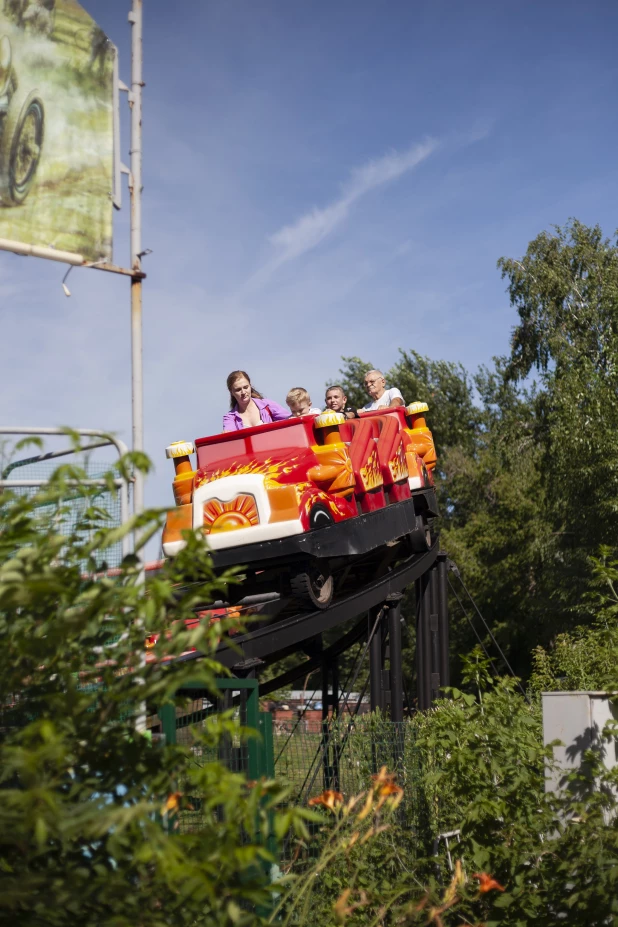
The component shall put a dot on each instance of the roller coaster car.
(310, 502)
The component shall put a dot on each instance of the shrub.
(90, 804)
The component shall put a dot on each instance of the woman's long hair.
(236, 375)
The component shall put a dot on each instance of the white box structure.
(577, 719)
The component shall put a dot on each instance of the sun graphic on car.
(240, 512)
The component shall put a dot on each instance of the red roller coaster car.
(305, 501)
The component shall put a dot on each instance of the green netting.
(342, 755)
(74, 505)
(232, 752)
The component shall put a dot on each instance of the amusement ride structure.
(332, 520)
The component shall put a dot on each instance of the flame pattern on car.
(334, 467)
(339, 507)
(270, 468)
(370, 474)
(398, 465)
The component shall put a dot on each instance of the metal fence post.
(167, 717)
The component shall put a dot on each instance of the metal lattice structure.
(75, 504)
(29, 475)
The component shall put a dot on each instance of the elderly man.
(381, 398)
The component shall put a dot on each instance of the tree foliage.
(527, 477)
(92, 811)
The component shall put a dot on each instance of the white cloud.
(314, 226)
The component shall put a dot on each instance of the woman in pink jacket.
(247, 406)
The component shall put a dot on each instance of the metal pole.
(335, 680)
(135, 188)
(375, 661)
(396, 667)
(443, 624)
(423, 643)
(326, 738)
(335, 738)
(135, 191)
(435, 633)
(325, 690)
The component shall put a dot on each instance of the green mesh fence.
(342, 755)
(345, 754)
(74, 505)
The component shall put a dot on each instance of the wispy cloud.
(306, 233)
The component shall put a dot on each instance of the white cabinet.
(578, 719)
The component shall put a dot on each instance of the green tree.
(587, 656)
(445, 386)
(565, 290)
(495, 526)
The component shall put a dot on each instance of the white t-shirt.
(384, 400)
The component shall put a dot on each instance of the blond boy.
(299, 402)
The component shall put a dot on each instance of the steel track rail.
(271, 639)
(313, 663)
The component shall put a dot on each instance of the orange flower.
(172, 802)
(384, 783)
(389, 788)
(329, 799)
(487, 882)
(341, 907)
(383, 776)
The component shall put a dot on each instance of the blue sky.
(320, 179)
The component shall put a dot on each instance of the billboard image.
(56, 128)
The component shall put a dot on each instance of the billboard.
(56, 128)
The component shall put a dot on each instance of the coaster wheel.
(319, 517)
(315, 585)
(420, 538)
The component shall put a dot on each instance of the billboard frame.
(134, 271)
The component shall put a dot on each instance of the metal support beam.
(434, 631)
(432, 634)
(423, 642)
(330, 700)
(375, 660)
(443, 622)
(396, 665)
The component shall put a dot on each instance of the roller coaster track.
(267, 642)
